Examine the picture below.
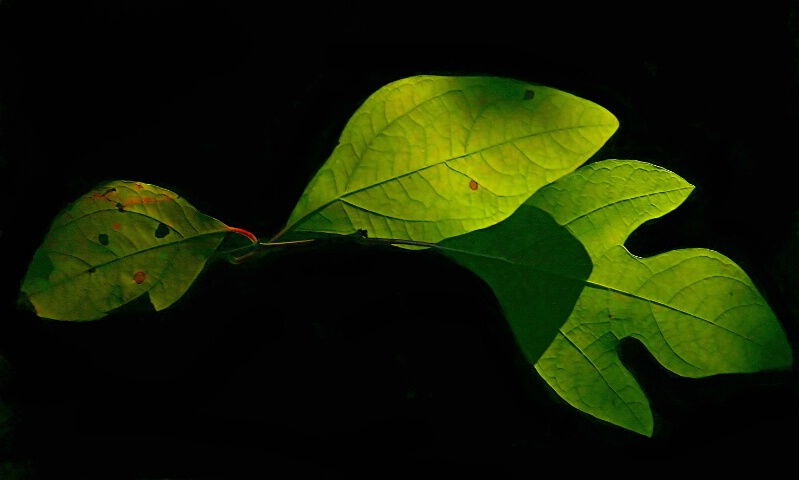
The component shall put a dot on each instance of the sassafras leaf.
(696, 311)
(119, 242)
(431, 157)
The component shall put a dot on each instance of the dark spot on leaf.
(473, 185)
(529, 94)
(103, 238)
(139, 277)
(92, 270)
(120, 207)
(162, 231)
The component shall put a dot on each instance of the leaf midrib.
(590, 283)
(604, 379)
(120, 258)
(629, 199)
(342, 195)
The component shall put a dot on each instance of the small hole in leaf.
(162, 231)
(529, 94)
(120, 207)
(103, 239)
(139, 277)
(473, 185)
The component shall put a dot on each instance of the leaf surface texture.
(115, 244)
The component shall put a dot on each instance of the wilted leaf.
(121, 241)
(428, 157)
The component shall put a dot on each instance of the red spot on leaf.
(115, 226)
(139, 277)
(145, 200)
(473, 185)
(138, 186)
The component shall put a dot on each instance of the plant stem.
(358, 237)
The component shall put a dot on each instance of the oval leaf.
(429, 157)
(123, 240)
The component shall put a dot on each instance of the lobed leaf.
(121, 241)
(430, 157)
(694, 309)
(535, 267)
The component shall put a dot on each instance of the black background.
(347, 361)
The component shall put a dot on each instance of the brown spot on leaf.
(139, 277)
(473, 185)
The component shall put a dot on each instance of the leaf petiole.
(242, 254)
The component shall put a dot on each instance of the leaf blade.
(121, 241)
(695, 310)
(427, 157)
(541, 262)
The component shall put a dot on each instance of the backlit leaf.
(695, 310)
(117, 243)
(428, 157)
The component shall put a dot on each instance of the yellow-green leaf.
(117, 243)
(431, 157)
(695, 310)
(571, 291)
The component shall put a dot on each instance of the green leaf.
(120, 241)
(695, 310)
(428, 157)
(535, 267)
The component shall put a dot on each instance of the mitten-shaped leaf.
(695, 310)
